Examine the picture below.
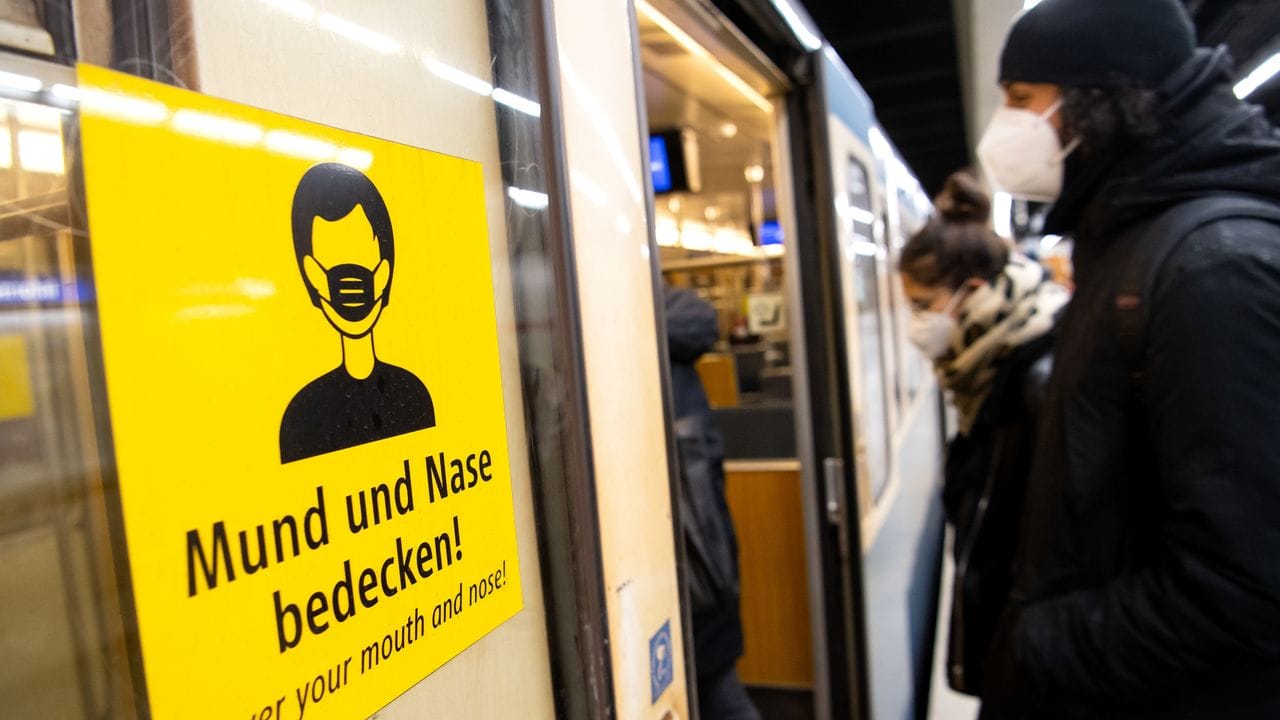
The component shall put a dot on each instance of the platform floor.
(945, 703)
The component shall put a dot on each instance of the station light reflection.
(588, 187)
(516, 102)
(1002, 214)
(359, 34)
(1259, 77)
(807, 37)
(65, 92)
(288, 143)
(388, 45)
(124, 107)
(296, 8)
(530, 199)
(213, 127)
(603, 125)
(462, 79)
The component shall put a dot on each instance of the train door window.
(60, 622)
(865, 333)
(891, 350)
(912, 365)
(384, 69)
(714, 150)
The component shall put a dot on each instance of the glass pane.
(60, 626)
(866, 253)
(912, 366)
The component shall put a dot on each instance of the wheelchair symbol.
(661, 663)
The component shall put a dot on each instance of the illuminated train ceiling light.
(671, 232)
(698, 51)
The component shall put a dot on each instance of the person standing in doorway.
(711, 547)
(1147, 582)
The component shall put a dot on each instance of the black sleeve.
(1210, 602)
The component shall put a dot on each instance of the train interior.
(53, 516)
(720, 163)
(719, 230)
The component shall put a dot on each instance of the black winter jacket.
(711, 547)
(1148, 581)
(984, 486)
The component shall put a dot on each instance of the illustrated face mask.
(931, 331)
(351, 290)
(1022, 155)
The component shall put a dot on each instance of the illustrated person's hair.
(330, 191)
(1122, 112)
(958, 244)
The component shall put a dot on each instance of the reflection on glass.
(912, 365)
(60, 629)
(873, 425)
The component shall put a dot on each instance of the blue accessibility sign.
(661, 662)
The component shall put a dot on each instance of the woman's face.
(936, 298)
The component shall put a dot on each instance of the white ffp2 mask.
(931, 331)
(1022, 155)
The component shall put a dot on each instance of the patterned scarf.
(1020, 305)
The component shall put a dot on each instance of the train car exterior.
(236, 479)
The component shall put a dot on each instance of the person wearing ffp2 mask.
(985, 317)
(1147, 583)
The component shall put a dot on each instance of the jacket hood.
(692, 325)
(1209, 143)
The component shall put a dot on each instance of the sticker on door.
(301, 352)
(661, 662)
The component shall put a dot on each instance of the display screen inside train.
(659, 165)
(770, 233)
(673, 162)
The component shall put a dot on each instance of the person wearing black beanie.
(1147, 582)
(1097, 42)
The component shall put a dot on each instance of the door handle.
(833, 480)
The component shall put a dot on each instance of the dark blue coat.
(710, 544)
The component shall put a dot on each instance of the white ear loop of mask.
(1071, 146)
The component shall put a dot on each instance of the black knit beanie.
(1087, 43)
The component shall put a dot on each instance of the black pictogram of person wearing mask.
(345, 248)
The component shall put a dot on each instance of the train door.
(111, 239)
(881, 443)
(715, 110)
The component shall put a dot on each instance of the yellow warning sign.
(302, 368)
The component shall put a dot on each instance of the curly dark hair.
(1122, 111)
